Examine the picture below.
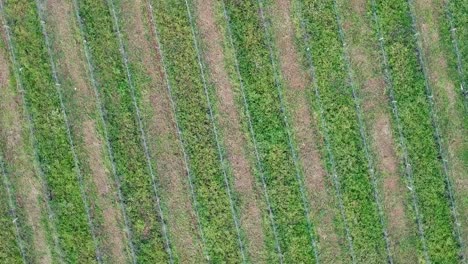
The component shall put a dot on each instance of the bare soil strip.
(430, 15)
(71, 64)
(364, 58)
(20, 160)
(231, 129)
(161, 132)
(297, 81)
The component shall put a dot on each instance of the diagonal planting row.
(364, 55)
(193, 198)
(401, 139)
(296, 80)
(12, 249)
(412, 115)
(13, 231)
(345, 140)
(52, 143)
(274, 228)
(266, 25)
(33, 157)
(454, 32)
(119, 102)
(82, 115)
(63, 110)
(215, 132)
(362, 130)
(191, 95)
(457, 20)
(255, 71)
(232, 132)
(435, 120)
(104, 130)
(131, 83)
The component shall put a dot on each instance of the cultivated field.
(234, 131)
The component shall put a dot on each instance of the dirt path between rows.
(304, 128)
(72, 67)
(19, 158)
(363, 50)
(231, 129)
(161, 133)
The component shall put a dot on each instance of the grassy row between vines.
(192, 114)
(341, 123)
(268, 131)
(53, 147)
(124, 136)
(414, 113)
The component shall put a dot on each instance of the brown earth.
(24, 174)
(72, 66)
(305, 132)
(231, 128)
(161, 133)
(363, 50)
